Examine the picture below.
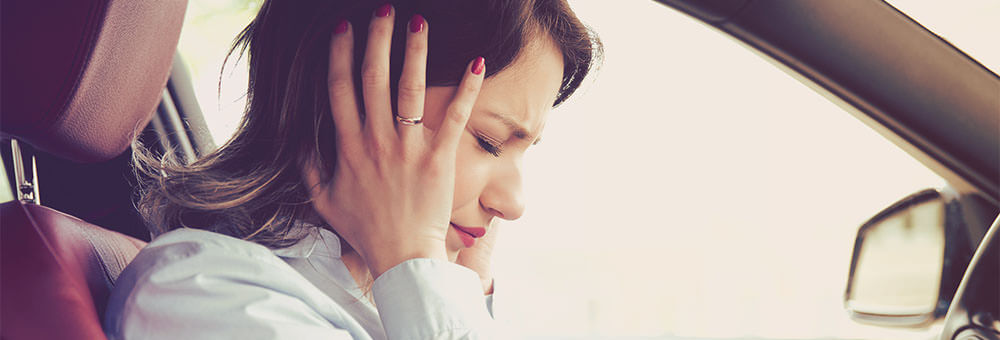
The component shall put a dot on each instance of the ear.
(312, 174)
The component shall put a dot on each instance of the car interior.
(81, 79)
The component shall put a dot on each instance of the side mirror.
(906, 267)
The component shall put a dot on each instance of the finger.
(412, 83)
(491, 234)
(457, 114)
(340, 83)
(375, 74)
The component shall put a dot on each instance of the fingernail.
(416, 23)
(478, 66)
(383, 11)
(341, 27)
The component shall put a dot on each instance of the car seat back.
(57, 272)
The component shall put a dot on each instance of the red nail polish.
(341, 27)
(478, 66)
(383, 11)
(416, 23)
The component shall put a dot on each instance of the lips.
(468, 235)
(475, 232)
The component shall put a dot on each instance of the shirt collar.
(317, 242)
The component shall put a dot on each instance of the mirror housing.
(908, 261)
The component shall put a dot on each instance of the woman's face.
(506, 120)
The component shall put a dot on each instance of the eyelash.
(487, 145)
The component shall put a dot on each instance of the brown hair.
(250, 188)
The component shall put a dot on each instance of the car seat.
(79, 79)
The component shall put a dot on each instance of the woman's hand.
(392, 187)
(478, 258)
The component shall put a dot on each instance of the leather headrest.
(80, 77)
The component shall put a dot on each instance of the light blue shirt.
(193, 284)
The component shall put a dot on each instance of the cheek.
(471, 173)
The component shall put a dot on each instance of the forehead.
(526, 89)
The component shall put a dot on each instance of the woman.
(357, 199)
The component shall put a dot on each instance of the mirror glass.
(898, 266)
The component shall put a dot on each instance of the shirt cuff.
(489, 305)
(431, 299)
(489, 299)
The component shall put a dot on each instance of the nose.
(502, 196)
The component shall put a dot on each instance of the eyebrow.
(519, 130)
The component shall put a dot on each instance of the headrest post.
(27, 188)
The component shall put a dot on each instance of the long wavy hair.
(250, 187)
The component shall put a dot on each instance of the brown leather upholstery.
(56, 273)
(80, 76)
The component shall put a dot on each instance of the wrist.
(382, 262)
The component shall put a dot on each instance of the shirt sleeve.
(191, 292)
(432, 299)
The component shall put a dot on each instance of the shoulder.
(186, 252)
(190, 276)
(198, 254)
(187, 242)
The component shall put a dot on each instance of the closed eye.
(489, 145)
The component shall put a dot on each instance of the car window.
(693, 183)
(206, 37)
(689, 189)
